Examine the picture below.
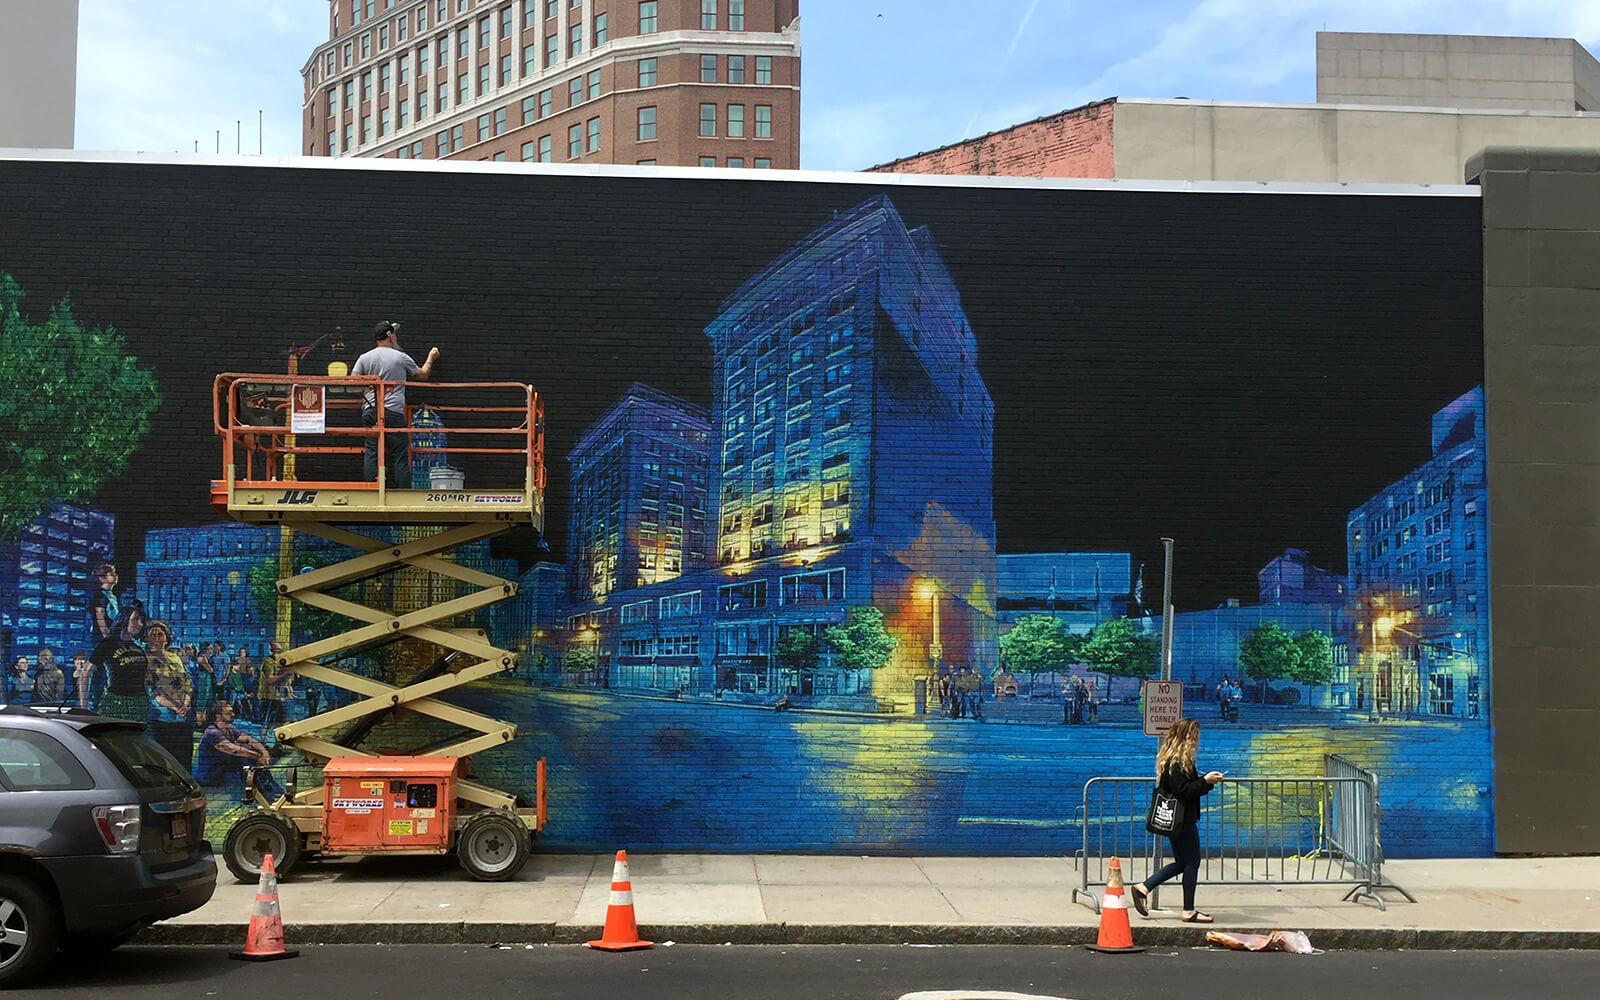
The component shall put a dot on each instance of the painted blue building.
(1292, 579)
(1080, 588)
(197, 580)
(850, 445)
(1418, 556)
(45, 584)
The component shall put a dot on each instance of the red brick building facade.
(1072, 143)
(668, 82)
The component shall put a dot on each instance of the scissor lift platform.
(263, 422)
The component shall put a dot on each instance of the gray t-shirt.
(391, 366)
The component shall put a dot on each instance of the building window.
(505, 22)
(405, 114)
(530, 17)
(735, 161)
(574, 40)
(763, 163)
(530, 60)
(405, 69)
(552, 50)
(456, 138)
(366, 45)
(366, 87)
(708, 161)
(499, 120)
(736, 69)
(444, 96)
(644, 163)
(422, 105)
(527, 152)
(347, 55)
(422, 61)
(444, 52)
(483, 32)
(763, 121)
(599, 29)
(333, 138)
(383, 122)
(551, 7)
(383, 38)
(546, 100)
(505, 70)
(332, 64)
(735, 15)
(333, 102)
(647, 72)
(366, 128)
(574, 142)
(403, 25)
(349, 136)
(647, 124)
(349, 94)
(594, 135)
(422, 18)
(483, 80)
(708, 120)
(544, 149)
(463, 40)
(530, 109)
(500, 157)
(483, 127)
(574, 92)
(763, 69)
(708, 15)
(594, 84)
(383, 79)
(647, 21)
(708, 69)
(736, 121)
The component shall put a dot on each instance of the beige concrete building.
(38, 58)
(1410, 109)
(711, 83)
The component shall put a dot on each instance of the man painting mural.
(391, 364)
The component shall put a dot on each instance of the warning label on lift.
(358, 803)
(399, 828)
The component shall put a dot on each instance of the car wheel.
(492, 846)
(29, 929)
(256, 835)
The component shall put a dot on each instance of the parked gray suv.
(101, 832)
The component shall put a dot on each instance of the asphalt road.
(552, 972)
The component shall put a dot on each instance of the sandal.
(1197, 918)
(1141, 899)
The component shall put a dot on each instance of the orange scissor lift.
(420, 801)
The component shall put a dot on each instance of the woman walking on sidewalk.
(1177, 775)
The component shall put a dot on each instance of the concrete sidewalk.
(783, 899)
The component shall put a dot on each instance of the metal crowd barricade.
(1262, 831)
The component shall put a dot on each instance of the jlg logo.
(298, 496)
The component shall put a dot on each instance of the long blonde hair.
(1178, 746)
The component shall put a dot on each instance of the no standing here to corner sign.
(1163, 706)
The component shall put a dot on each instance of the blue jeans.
(396, 449)
(1185, 843)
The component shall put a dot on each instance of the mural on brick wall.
(854, 516)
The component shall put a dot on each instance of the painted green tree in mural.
(309, 623)
(797, 649)
(1269, 653)
(76, 405)
(1314, 662)
(1117, 648)
(1036, 644)
(861, 643)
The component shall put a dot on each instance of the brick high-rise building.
(669, 82)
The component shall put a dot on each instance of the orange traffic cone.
(1116, 935)
(263, 942)
(621, 933)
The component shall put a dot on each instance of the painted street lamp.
(930, 590)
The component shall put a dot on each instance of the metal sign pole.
(1166, 613)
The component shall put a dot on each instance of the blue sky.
(882, 78)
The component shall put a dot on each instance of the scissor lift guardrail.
(261, 446)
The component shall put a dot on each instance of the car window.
(140, 759)
(34, 762)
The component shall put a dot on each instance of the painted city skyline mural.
(855, 505)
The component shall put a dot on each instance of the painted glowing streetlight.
(930, 590)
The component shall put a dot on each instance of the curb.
(436, 932)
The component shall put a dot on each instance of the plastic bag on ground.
(1293, 941)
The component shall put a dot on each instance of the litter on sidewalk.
(1295, 941)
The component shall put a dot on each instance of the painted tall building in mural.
(1419, 575)
(197, 580)
(855, 448)
(639, 496)
(1079, 588)
(45, 582)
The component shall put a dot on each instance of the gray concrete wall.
(1230, 141)
(1541, 254)
(1457, 71)
(38, 73)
